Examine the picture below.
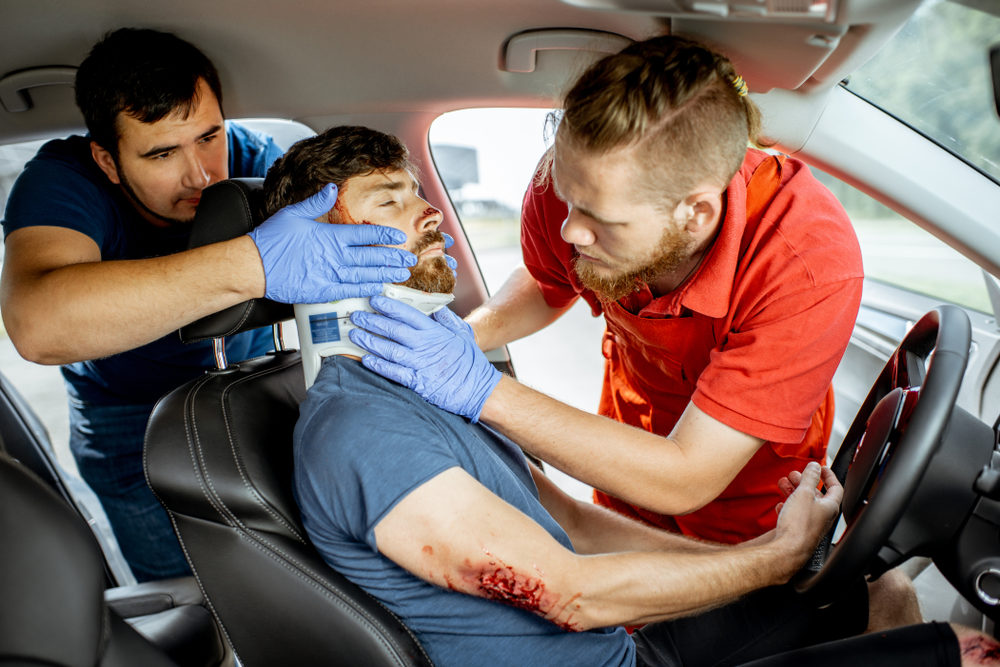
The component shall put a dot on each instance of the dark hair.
(334, 156)
(146, 74)
(674, 100)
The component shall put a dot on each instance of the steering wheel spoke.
(911, 369)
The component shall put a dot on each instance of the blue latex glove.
(452, 262)
(312, 262)
(435, 356)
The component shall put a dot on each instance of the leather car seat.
(26, 439)
(168, 613)
(218, 454)
(52, 584)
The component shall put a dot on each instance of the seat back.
(52, 584)
(218, 454)
(24, 438)
(180, 626)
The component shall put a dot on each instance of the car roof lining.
(435, 56)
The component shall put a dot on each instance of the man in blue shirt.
(445, 522)
(97, 277)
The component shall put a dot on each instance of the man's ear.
(106, 163)
(700, 212)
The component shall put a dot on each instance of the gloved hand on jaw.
(452, 262)
(312, 262)
(435, 356)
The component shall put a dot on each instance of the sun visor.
(809, 43)
(824, 11)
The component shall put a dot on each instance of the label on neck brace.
(323, 327)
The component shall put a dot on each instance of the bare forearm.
(581, 592)
(600, 530)
(93, 309)
(594, 529)
(516, 311)
(636, 588)
(651, 587)
(647, 470)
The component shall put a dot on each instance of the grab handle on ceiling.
(519, 53)
(14, 86)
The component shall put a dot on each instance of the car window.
(486, 158)
(897, 252)
(12, 160)
(284, 132)
(935, 76)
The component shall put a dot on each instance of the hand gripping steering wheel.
(889, 446)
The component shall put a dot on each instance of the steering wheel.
(889, 447)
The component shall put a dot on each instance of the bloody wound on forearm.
(982, 650)
(499, 581)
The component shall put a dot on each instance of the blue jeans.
(106, 441)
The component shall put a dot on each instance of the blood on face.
(345, 215)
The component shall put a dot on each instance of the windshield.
(935, 76)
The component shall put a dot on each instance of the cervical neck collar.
(323, 327)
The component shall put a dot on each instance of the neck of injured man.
(323, 327)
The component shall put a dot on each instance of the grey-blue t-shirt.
(62, 186)
(362, 443)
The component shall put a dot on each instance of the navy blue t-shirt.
(62, 186)
(362, 444)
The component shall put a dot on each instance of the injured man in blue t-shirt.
(449, 526)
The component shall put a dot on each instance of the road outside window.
(897, 252)
(934, 76)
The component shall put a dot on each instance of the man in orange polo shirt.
(734, 362)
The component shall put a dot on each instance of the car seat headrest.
(227, 210)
